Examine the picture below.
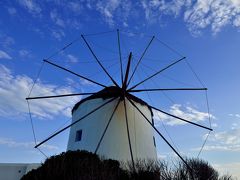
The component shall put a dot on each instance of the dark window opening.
(78, 136)
(154, 142)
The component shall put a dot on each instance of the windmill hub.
(111, 92)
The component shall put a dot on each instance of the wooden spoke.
(105, 130)
(100, 64)
(73, 73)
(56, 96)
(127, 72)
(160, 134)
(128, 134)
(170, 65)
(140, 60)
(168, 89)
(181, 118)
(120, 55)
(63, 129)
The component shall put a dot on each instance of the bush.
(200, 170)
(144, 169)
(77, 165)
(83, 165)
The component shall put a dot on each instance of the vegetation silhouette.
(83, 165)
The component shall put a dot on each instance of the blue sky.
(206, 32)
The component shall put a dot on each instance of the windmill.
(114, 122)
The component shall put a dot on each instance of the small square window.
(78, 136)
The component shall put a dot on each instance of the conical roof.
(110, 92)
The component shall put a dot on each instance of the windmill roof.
(110, 92)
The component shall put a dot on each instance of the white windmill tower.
(113, 122)
(116, 127)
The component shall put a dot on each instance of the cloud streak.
(223, 141)
(6, 41)
(25, 53)
(12, 11)
(55, 17)
(15, 88)
(229, 168)
(115, 12)
(187, 113)
(213, 13)
(31, 6)
(72, 58)
(4, 55)
(58, 34)
(27, 145)
(197, 15)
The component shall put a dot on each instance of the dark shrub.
(201, 170)
(226, 177)
(77, 165)
(144, 169)
(83, 165)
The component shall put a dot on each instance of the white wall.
(115, 143)
(14, 171)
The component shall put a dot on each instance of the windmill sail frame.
(123, 94)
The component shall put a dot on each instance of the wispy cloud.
(75, 7)
(86, 82)
(4, 55)
(55, 17)
(31, 6)
(6, 41)
(114, 10)
(223, 141)
(197, 15)
(11, 10)
(213, 13)
(72, 58)
(235, 125)
(215, 148)
(79, 84)
(234, 115)
(25, 53)
(27, 145)
(230, 137)
(15, 88)
(107, 8)
(187, 113)
(155, 9)
(58, 34)
(231, 168)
